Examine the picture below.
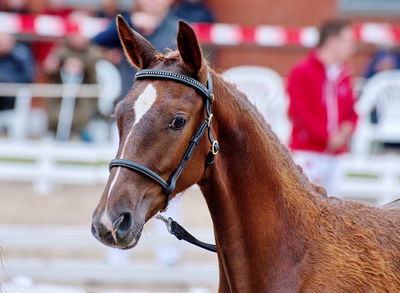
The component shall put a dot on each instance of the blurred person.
(194, 11)
(322, 104)
(151, 18)
(383, 59)
(42, 48)
(77, 57)
(108, 9)
(16, 65)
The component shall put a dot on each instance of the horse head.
(156, 121)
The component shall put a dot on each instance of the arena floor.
(68, 210)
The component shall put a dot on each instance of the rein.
(170, 184)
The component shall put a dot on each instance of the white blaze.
(142, 105)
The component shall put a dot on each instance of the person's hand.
(112, 55)
(339, 139)
(51, 64)
(7, 43)
(145, 23)
(73, 65)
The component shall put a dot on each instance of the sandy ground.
(73, 206)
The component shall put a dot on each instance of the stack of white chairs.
(265, 89)
(379, 173)
(381, 92)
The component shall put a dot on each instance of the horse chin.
(127, 242)
(130, 242)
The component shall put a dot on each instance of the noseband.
(206, 93)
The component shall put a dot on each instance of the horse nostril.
(123, 224)
(94, 230)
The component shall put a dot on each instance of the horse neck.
(261, 204)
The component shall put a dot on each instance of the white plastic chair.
(109, 81)
(383, 92)
(265, 89)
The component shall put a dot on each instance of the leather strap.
(181, 233)
(139, 168)
(191, 82)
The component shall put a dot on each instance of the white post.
(43, 184)
(71, 84)
(23, 99)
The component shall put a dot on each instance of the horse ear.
(189, 50)
(139, 51)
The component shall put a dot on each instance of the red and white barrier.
(217, 34)
(51, 26)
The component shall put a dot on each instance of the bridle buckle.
(209, 120)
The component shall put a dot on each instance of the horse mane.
(243, 104)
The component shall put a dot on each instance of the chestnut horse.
(274, 230)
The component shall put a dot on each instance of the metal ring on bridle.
(212, 97)
(215, 147)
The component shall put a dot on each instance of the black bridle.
(169, 185)
(206, 93)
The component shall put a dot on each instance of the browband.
(206, 92)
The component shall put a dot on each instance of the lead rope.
(180, 233)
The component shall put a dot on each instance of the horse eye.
(177, 123)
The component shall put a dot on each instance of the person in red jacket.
(322, 103)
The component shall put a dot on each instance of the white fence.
(46, 163)
(375, 179)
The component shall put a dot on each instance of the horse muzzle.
(121, 231)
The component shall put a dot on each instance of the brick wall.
(295, 13)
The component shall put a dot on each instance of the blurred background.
(61, 74)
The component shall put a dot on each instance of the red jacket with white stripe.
(308, 87)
